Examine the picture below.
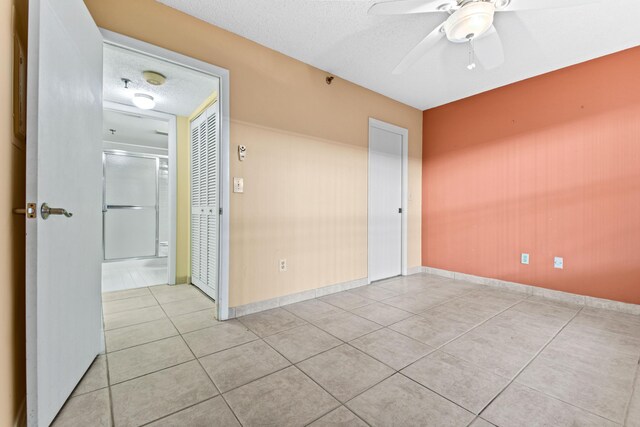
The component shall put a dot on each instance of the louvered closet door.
(205, 200)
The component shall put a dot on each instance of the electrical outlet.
(283, 265)
(558, 262)
(524, 258)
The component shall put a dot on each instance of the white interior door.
(205, 200)
(385, 204)
(64, 168)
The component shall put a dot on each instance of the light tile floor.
(135, 273)
(414, 351)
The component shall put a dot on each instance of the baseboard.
(414, 270)
(258, 306)
(584, 300)
(21, 416)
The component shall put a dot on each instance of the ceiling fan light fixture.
(470, 21)
(143, 101)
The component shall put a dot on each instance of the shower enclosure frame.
(105, 207)
(172, 156)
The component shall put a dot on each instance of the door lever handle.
(46, 211)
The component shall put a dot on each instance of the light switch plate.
(524, 258)
(238, 185)
(558, 262)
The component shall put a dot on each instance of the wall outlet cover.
(524, 258)
(558, 262)
(283, 265)
(238, 185)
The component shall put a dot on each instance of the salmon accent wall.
(549, 166)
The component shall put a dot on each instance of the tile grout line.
(635, 388)
(471, 329)
(158, 370)
(202, 367)
(106, 361)
(340, 403)
(527, 365)
(155, 320)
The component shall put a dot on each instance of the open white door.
(64, 121)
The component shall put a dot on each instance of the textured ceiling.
(184, 90)
(133, 129)
(339, 37)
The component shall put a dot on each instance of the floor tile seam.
(108, 373)
(135, 324)
(327, 413)
(386, 364)
(315, 319)
(625, 321)
(439, 394)
(177, 300)
(177, 412)
(459, 335)
(239, 319)
(559, 399)
(299, 370)
(634, 389)
(144, 343)
(342, 308)
(384, 326)
(191, 312)
(125, 298)
(325, 331)
(211, 379)
(74, 394)
(479, 368)
(183, 300)
(306, 358)
(129, 309)
(340, 403)
(610, 332)
(515, 377)
(219, 393)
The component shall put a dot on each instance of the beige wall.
(12, 179)
(306, 167)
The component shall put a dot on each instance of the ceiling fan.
(469, 21)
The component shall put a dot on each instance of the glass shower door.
(130, 206)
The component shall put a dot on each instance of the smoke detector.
(154, 78)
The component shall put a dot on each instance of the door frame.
(222, 300)
(172, 154)
(404, 133)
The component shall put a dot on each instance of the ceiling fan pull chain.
(472, 55)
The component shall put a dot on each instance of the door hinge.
(29, 212)
(399, 210)
(220, 211)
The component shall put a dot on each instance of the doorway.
(387, 195)
(136, 222)
(191, 86)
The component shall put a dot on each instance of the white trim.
(404, 133)
(172, 152)
(567, 297)
(259, 306)
(414, 270)
(222, 302)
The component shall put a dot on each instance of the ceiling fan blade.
(488, 49)
(517, 5)
(420, 50)
(403, 7)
